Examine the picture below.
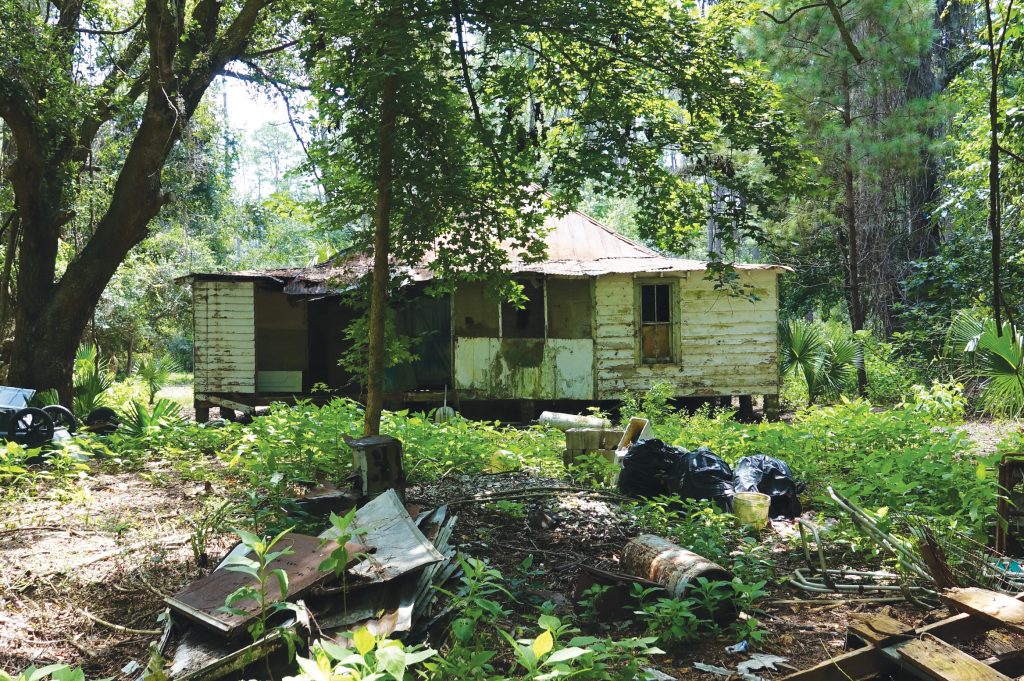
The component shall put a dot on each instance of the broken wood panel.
(655, 343)
(932, 658)
(202, 600)
(876, 630)
(955, 628)
(997, 608)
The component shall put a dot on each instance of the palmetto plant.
(141, 421)
(994, 359)
(826, 364)
(155, 372)
(92, 380)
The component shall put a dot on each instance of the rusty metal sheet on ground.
(400, 546)
(201, 600)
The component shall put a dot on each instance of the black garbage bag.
(650, 469)
(706, 476)
(768, 475)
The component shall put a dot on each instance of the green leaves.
(373, 659)
(826, 364)
(995, 357)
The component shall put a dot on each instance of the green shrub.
(891, 376)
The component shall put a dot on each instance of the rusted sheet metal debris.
(675, 568)
(394, 595)
(202, 601)
(399, 546)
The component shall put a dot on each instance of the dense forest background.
(874, 182)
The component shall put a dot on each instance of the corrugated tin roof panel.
(577, 246)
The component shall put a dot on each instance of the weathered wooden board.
(556, 368)
(724, 344)
(933, 658)
(856, 665)
(860, 663)
(998, 608)
(876, 629)
(224, 332)
(202, 600)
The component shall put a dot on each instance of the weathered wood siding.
(524, 368)
(725, 345)
(225, 337)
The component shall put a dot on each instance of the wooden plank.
(876, 629)
(202, 600)
(932, 658)
(997, 608)
(857, 665)
(955, 628)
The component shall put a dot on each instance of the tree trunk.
(856, 306)
(381, 251)
(993, 188)
(51, 314)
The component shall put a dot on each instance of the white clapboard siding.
(225, 339)
(725, 344)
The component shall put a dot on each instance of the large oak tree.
(70, 70)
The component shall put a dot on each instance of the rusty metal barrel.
(675, 568)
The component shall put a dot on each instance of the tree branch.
(844, 31)
(1014, 156)
(260, 77)
(288, 110)
(271, 50)
(791, 14)
(120, 31)
(484, 135)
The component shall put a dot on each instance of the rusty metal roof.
(577, 246)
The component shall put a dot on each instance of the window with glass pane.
(655, 323)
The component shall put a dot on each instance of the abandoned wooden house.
(604, 315)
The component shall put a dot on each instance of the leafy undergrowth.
(519, 612)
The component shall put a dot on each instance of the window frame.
(673, 322)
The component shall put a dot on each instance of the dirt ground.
(84, 569)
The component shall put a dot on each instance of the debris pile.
(387, 586)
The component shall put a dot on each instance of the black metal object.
(62, 417)
(30, 427)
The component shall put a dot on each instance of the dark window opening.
(569, 308)
(526, 321)
(655, 323)
(476, 313)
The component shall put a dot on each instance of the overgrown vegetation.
(906, 459)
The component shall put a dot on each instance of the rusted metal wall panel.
(224, 332)
(524, 368)
(727, 345)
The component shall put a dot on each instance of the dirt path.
(108, 548)
(988, 433)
